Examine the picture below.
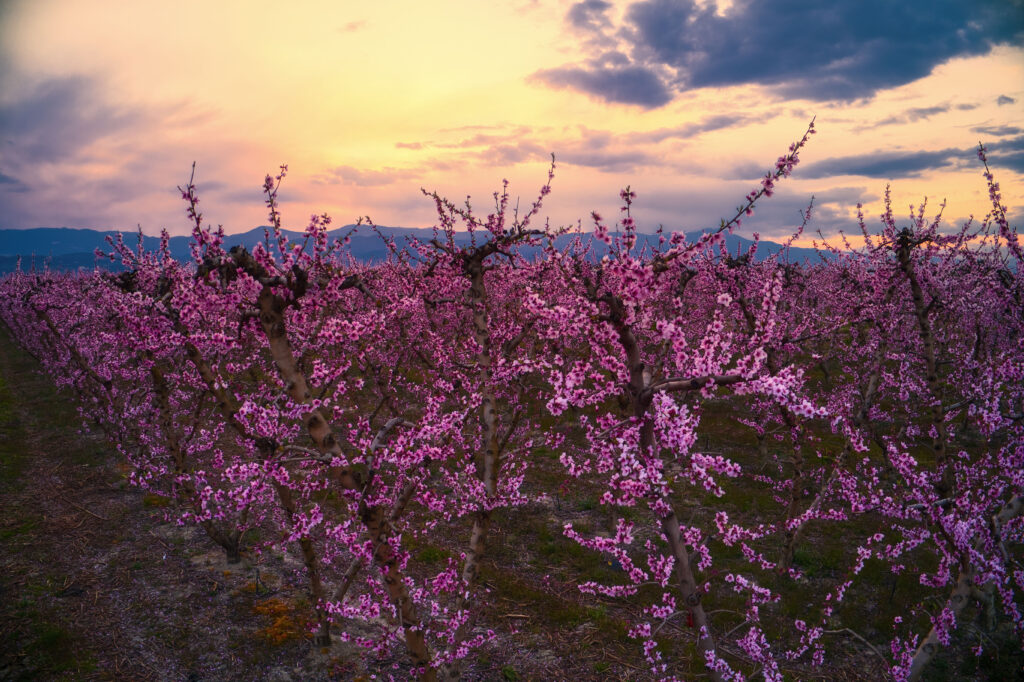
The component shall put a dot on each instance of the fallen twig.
(80, 507)
(864, 641)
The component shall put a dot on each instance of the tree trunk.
(962, 592)
(639, 382)
(487, 470)
(272, 309)
(944, 483)
(793, 535)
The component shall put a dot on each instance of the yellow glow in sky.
(108, 103)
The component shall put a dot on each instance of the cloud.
(495, 135)
(887, 164)
(502, 152)
(1011, 160)
(482, 140)
(780, 217)
(252, 196)
(1005, 99)
(514, 153)
(690, 130)
(606, 161)
(687, 207)
(577, 145)
(891, 164)
(11, 184)
(914, 114)
(605, 150)
(352, 26)
(58, 118)
(1007, 154)
(750, 170)
(998, 131)
(798, 48)
(81, 160)
(349, 175)
(600, 149)
(589, 15)
(1015, 219)
(1016, 144)
(622, 84)
(814, 50)
(475, 126)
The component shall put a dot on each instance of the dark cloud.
(750, 171)
(1014, 144)
(998, 131)
(1016, 220)
(912, 115)
(1004, 99)
(211, 186)
(915, 114)
(1011, 160)
(886, 164)
(10, 184)
(589, 15)
(799, 48)
(623, 84)
(1007, 154)
(57, 118)
(610, 58)
(815, 50)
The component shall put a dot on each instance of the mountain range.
(67, 249)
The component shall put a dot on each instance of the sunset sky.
(105, 105)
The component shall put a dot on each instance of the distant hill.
(64, 249)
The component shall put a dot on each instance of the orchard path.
(94, 585)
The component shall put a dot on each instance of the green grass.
(154, 500)
(432, 555)
(25, 526)
(46, 650)
(32, 411)
(12, 451)
(54, 650)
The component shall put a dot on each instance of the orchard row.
(357, 409)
